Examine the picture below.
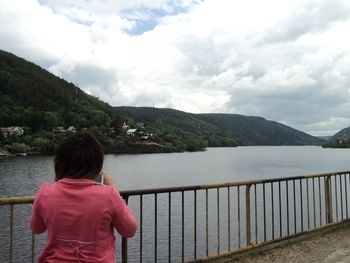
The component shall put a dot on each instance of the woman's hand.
(107, 180)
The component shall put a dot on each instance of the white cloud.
(284, 60)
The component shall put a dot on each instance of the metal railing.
(203, 222)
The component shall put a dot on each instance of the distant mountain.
(250, 130)
(325, 138)
(218, 128)
(339, 140)
(177, 127)
(342, 134)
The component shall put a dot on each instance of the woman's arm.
(36, 221)
(123, 219)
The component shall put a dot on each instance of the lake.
(23, 176)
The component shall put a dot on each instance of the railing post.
(33, 247)
(124, 250)
(328, 199)
(11, 233)
(247, 214)
(125, 241)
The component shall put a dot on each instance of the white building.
(12, 130)
(131, 132)
(71, 129)
(125, 127)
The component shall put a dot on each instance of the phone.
(100, 178)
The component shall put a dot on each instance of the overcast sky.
(287, 61)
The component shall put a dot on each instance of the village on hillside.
(126, 132)
(12, 143)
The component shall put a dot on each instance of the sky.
(286, 61)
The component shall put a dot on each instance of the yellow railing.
(232, 216)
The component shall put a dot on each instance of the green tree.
(52, 119)
(44, 146)
(99, 118)
(17, 148)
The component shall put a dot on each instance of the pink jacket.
(80, 216)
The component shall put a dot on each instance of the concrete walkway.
(329, 247)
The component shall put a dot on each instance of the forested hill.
(45, 106)
(339, 140)
(342, 134)
(251, 130)
(32, 97)
(219, 129)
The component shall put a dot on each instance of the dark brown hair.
(79, 156)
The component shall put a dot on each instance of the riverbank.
(5, 154)
(47, 143)
(133, 147)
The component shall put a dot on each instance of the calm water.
(23, 175)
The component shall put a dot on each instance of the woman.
(80, 214)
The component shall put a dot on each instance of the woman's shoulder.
(105, 189)
(107, 192)
(44, 187)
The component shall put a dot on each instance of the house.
(131, 132)
(16, 130)
(71, 129)
(5, 131)
(59, 129)
(12, 130)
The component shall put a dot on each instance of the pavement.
(329, 247)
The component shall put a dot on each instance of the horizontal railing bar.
(160, 190)
(16, 200)
(224, 185)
